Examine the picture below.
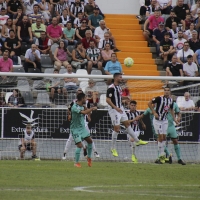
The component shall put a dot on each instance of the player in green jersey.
(78, 130)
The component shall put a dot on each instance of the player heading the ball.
(117, 113)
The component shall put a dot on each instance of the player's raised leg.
(67, 146)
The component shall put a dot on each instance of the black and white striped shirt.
(93, 54)
(76, 9)
(102, 43)
(163, 104)
(60, 7)
(135, 124)
(114, 92)
(77, 22)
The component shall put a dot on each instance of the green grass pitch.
(55, 180)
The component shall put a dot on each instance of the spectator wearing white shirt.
(165, 6)
(187, 104)
(195, 9)
(3, 17)
(190, 3)
(190, 69)
(28, 5)
(174, 31)
(188, 33)
(151, 8)
(3, 4)
(183, 53)
(143, 8)
(32, 58)
(179, 42)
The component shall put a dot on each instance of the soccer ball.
(128, 62)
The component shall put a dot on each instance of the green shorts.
(79, 134)
(171, 132)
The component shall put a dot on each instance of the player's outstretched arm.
(85, 112)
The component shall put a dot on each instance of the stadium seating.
(97, 72)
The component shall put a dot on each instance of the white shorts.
(117, 117)
(160, 126)
(137, 133)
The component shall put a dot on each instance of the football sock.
(132, 134)
(161, 148)
(68, 144)
(166, 151)
(177, 150)
(114, 139)
(77, 154)
(93, 147)
(89, 150)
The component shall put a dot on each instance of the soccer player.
(27, 142)
(117, 113)
(87, 120)
(78, 130)
(133, 119)
(164, 105)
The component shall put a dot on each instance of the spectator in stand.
(143, 8)
(43, 43)
(12, 43)
(196, 57)
(2, 99)
(28, 6)
(92, 92)
(16, 99)
(197, 22)
(158, 36)
(6, 64)
(45, 9)
(165, 6)
(3, 17)
(188, 21)
(106, 54)
(183, 53)
(14, 58)
(93, 57)
(24, 32)
(94, 19)
(151, 9)
(190, 3)
(187, 104)
(190, 69)
(79, 56)
(60, 55)
(174, 31)
(69, 34)
(172, 18)
(106, 40)
(37, 28)
(80, 32)
(3, 4)
(62, 5)
(86, 40)
(6, 28)
(70, 83)
(153, 22)
(13, 5)
(113, 66)
(53, 4)
(188, 33)
(64, 18)
(18, 17)
(174, 68)
(166, 48)
(179, 42)
(75, 9)
(35, 15)
(88, 9)
(32, 58)
(194, 42)
(195, 9)
(77, 21)
(54, 31)
(181, 9)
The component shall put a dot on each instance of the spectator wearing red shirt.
(54, 31)
(86, 40)
(153, 22)
(6, 64)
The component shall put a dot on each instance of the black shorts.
(151, 32)
(27, 146)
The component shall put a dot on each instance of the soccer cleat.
(34, 156)
(158, 161)
(96, 154)
(85, 152)
(162, 159)
(170, 159)
(166, 160)
(89, 162)
(77, 165)
(64, 158)
(134, 159)
(141, 143)
(181, 162)
(114, 152)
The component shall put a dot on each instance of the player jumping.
(78, 130)
(117, 113)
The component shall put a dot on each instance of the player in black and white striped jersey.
(164, 104)
(132, 115)
(27, 142)
(117, 112)
(87, 120)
